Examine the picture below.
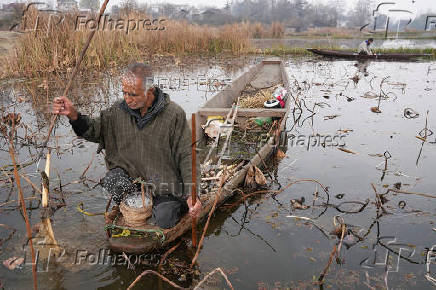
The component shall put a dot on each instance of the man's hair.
(371, 39)
(141, 71)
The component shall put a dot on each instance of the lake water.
(344, 43)
(256, 243)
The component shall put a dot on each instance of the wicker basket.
(136, 216)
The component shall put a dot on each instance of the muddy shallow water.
(256, 243)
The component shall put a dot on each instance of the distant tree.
(127, 6)
(361, 13)
(300, 6)
(251, 10)
(115, 9)
(89, 4)
(339, 6)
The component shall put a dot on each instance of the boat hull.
(356, 56)
(220, 104)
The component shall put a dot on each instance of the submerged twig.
(164, 256)
(146, 272)
(326, 268)
(87, 167)
(223, 179)
(210, 274)
(410, 192)
(423, 138)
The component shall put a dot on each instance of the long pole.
(194, 178)
(70, 81)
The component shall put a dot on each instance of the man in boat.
(145, 136)
(365, 47)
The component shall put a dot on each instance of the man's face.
(133, 92)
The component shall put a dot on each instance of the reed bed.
(57, 49)
(260, 30)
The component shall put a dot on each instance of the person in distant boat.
(365, 47)
(145, 135)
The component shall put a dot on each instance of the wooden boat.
(264, 74)
(355, 55)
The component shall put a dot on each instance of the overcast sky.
(420, 6)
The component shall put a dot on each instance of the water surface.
(256, 243)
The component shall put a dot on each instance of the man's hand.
(194, 211)
(63, 106)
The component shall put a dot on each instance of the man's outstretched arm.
(83, 126)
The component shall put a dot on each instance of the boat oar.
(194, 179)
(70, 81)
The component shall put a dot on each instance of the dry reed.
(256, 98)
(57, 48)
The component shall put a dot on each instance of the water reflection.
(255, 242)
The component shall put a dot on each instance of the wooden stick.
(12, 201)
(223, 179)
(210, 274)
(23, 207)
(229, 133)
(340, 243)
(143, 194)
(326, 268)
(70, 81)
(167, 253)
(409, 192)
(45, 185)
(45, 198)
(31, 183)
(216, 141)
(157, 274)
(194, 179)
(89, 165)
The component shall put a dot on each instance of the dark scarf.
(161, 100)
